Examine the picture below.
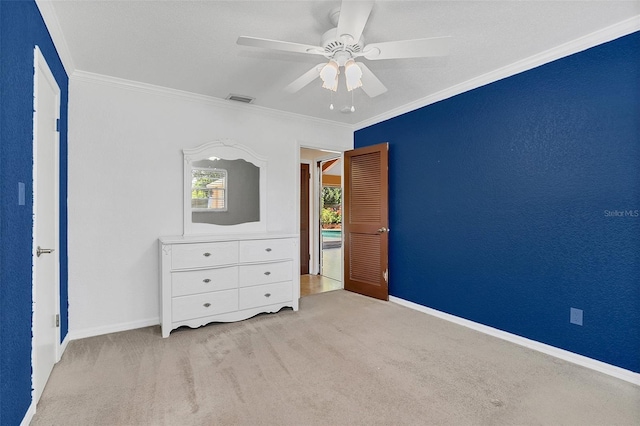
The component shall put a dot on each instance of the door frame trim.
(313, 267)
(314, 194)
(41, 67)
(319, 163)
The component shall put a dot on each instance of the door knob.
(40, 251)
(383, 229)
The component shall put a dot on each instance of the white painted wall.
(125, 186)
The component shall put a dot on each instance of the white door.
(45, 225)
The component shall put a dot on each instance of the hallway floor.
(314, 284)
(331, 278)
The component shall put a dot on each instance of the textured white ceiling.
(191, 45)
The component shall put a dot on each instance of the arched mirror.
(224, 189)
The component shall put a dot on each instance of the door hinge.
(57, 320)
(57, 125)
(385, 275)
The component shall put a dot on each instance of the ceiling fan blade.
(370, 83)
(353, 17)
(418, 48)
(280, 45)
(305, 79)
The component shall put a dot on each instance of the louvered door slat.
(365, 268)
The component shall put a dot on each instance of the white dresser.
(207, 279)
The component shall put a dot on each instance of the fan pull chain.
(353, 108)
(331, 104)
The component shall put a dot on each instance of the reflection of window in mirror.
(224, 189)
(209, 189)
(224, 192)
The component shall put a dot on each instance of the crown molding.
(89, 77)
(596, 38)
(50, 19)
(604, 35)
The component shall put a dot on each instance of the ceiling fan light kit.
(329, 75)
(343, 44)
(352, 73)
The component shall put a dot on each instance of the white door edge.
(41, 68)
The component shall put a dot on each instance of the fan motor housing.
(331, 44)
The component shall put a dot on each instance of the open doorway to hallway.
(331, 224)
(320, 221)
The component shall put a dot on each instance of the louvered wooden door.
(366, 220)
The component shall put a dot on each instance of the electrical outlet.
(575, 316)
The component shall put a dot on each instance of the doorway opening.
(320, 221)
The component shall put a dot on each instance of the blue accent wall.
(21, 28)
(514, 202)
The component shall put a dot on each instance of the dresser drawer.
(261, 295)
(265, 273)
(203, 280)
(204, 305)
(186, 256)
(265, 250)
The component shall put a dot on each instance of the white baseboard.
(29, 415)
(602, 367)
(112, 328)
(62, 347)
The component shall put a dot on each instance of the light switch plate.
(21, 196)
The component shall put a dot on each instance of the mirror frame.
(227, 149)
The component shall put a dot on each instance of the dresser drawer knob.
(207, 254)
(206, 305)
(267, 249)
(267, 295)
(206, 280)
(267, 273)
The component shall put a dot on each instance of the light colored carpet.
(343, 359)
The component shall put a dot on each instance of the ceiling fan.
(344, 44)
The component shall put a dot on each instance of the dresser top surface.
(188, 239)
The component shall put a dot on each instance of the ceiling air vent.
(241, 98)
